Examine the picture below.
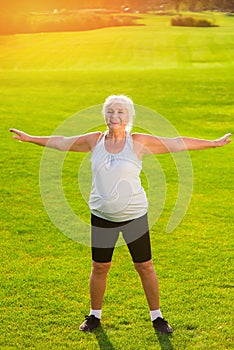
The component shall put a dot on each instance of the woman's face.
(116, 116)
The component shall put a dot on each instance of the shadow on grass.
(105, 343)
(103, 340)
(164, 341)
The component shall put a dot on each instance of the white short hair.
(126, 102)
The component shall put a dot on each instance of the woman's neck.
(116, 134)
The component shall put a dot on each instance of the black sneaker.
(162, 326)
(90, 323)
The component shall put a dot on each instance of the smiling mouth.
(115, 122)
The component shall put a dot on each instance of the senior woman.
(118, 202)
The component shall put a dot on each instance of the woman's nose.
(115, 115)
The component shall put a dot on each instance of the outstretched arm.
(158, 145)
(82, 143)
(191, 144)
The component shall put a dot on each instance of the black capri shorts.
(105, 234)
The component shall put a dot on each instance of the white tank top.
(117, 194)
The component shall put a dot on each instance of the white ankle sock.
(155, 314)
(96, 313)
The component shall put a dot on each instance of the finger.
(227, 135)
(226, 140)
(15, 131)
(16, 135)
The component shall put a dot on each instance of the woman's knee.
(144, 268)
(100, 268)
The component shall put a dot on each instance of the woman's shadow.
(105, 343)
(164, 341)
(103, 340)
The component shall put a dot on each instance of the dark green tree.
(221, 5)
(192, 6)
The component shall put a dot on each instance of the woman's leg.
(141, 255)
(98, 279)
(149, 282)
(104, 238)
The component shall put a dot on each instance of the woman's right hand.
(20, 135)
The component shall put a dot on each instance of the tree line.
(119, 5)
(194, 5)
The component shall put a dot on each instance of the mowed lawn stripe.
(149, 47)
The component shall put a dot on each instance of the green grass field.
(186, 75)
